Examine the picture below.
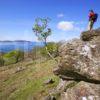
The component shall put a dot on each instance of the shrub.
(52, 48)
(13, 57)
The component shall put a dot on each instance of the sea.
(26, 46)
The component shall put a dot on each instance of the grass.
(28, 84)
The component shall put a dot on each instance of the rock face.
(82, 91)
(80, 62)
(87, 36)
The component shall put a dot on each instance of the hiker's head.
(91, 11)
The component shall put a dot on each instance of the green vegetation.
(13, 57)
(52, 48)
(25, 80)
(42, 31)
(28, 83)
(40, 52)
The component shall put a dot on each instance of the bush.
(13, 57)
(52, 48)
(40, 52)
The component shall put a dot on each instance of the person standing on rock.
(92, 19)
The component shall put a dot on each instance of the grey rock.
(89, 35)
(19, 69)
(79, 68)
(82, 91)
(49, 81)
(49, 98)
(80, 60)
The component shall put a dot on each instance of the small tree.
(13, 57)
(52, 48)
(42, 31)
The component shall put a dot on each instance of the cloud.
(65, 25)
(60, 15)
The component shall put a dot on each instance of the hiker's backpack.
(95, 17)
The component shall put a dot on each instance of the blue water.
(24, 46)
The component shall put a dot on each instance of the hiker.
(92, 19)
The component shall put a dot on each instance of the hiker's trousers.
(90, 25)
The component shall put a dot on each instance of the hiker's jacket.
(91, 16)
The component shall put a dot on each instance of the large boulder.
(80, 60)
(89, 35)
(79, 68)
(82, 91)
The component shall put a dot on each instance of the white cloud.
(60, 15)
(65, 25)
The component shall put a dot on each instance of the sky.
(68, 18)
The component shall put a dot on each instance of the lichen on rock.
(80, 62)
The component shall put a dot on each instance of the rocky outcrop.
(82, 91)
(89, 35)
(80, 63)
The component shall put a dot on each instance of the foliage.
(13, 57)
(40, 52)
(41, 29)
(52, 48)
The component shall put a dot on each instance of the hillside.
(76, 76)
(25, 80)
